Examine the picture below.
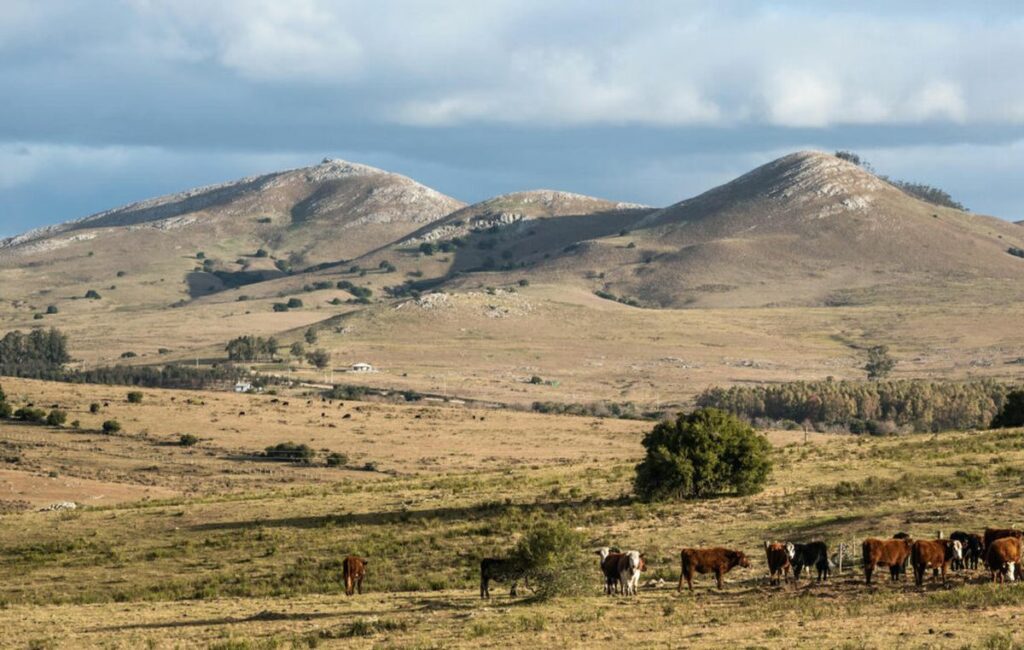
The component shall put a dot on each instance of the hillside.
(806, 229)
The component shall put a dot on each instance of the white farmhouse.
(243, 387)
(362, 367)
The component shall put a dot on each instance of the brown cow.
(890, 553)
(779, 561)
(354, 570)
(934, 553)
(1003, 558)
(610, 569)
(992, 534)
(715, 560)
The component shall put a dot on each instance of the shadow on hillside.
(226, 620)
(483, 511)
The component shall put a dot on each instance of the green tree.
(879, 364)
(135, 397)
(57, 418)
(319, 358)
(1012, 414)
(427, 248)
(311, 336)
(298, 350)
(702, 454)
(111, 427)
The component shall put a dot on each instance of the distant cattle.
(811, 554)
(973, 547)
(1003, 557)
(631, 565)
(992, 534)
(779, 558)
(934, 553)
(499, 570)
(353, 571)
(610, 568)
(892, 553)
(715, 560)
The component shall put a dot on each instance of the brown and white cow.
(353, 571)
(992, 534)
(890, 553)
(1003, 558)
(715, 560)
(610, 568)
(631, 564)
(780, 558)
(934, 553)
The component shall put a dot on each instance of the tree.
(29, 414)
(262, 252)
(6, 410)
(111, 427)
(311, 336)
(427, 248)
(188, 440)
(57, 418)
(92, 294)
(319, 358)
(1012, 414)
(294, 303)
(252, 348)
(94, 408)
(702, 454)
(298, 350)
(548, 556)
(52, 309)
(879, 364)
(135, 397)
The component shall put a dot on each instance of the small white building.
(243, 387)
(362, 367)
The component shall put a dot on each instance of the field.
(212, 546)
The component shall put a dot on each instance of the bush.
(52, 309)
(262, 252)
(1016, 252)
(188, 440)
(280, 306)
(524, 282)
(294, 303)
(111, 427)
(427, 248)
(319, 358)
(57, 418)
(335, 459)
(702, 454)
(1012, 414)
(297, 349)
(29, 414)
(128, 355)
(290, 451)
(92, 294)
(548, 555)
(311, 336)
(536, 380)
(135, 397)
(6, 410)
(94, 408)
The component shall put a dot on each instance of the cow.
(811, 554)
(992, 534)
(779, 557)
(610, 568)
(499, 569)
(972, 547)
(630, 564)
(715, 560)
(892, 553)
(1003, 558)
(934, 553)
(353, 570)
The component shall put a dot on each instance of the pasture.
(212, 546)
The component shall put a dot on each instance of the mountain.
(804, 230)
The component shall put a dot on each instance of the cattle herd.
(1000, 550)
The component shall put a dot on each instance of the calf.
(811, 554)
(353, 571)
(631, 565)
(715, 560)
(610, 568)
(499, 569)
(779, 557)
(1003, 556)
(934, 553)
(892, 553)
(972, 548)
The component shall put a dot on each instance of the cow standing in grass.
(811, 554)
(631, 565)
(1003, 558)
(779, 556)
(891, 553)
(973, 550)
(610, 569)
(715, 560)
(935, 554)
(499, 570)
(353, 571)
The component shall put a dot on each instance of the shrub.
(6, 410)
(280, 306)
(290, 451)
(335, 459)
(188, 440)
(524, 282)
(1016, 252)
(319, 358)
(297, 349)
(879, 364)
(111, 427)
(701, 454)
(29, 414)
(52, 309)
(536, 380)
(1012, 414)
(294, 303)
(262, 252)
(57, 418)
(135, 397)
(310, 336)
(92, 294)
(94, 408)
(548, 555)
(427, 248)
(128, 355)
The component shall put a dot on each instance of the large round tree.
(705, 453)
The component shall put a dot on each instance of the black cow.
(973, 550)
(811, 554)
(500, 570)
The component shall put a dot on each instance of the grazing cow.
(811, 554)
(779, 561)
(354, 570)
(610, 568)
(499, 569)
(972, 544)
(934, 553)
(631, 565)
(992, 534)
(892, 553)
(1003, 558)
(715, 560)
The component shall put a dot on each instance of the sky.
(103, 102)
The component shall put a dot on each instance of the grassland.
(228, 550)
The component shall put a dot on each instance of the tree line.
(37, 351)
(861, 406)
